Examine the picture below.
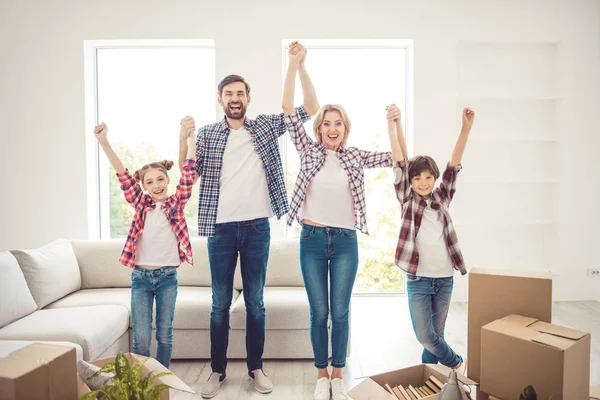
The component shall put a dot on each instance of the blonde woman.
(329, 201)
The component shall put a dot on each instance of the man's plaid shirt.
(265, 131)
(407, 254)
(174, 206)
(312, 158)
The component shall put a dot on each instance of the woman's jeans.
(147, 285)
(328, 254)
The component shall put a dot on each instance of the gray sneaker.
(261, 382)
(212, 386)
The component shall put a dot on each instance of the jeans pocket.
(136, 275)
(412, 278)
(171, 274)
(263, 226)
(349, 233)
(306, 232)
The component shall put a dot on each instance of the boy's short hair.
(231, 79)
(419, 164)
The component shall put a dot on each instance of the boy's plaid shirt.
(174, 206)
(312, 158)
(265, 131)
(407, 254)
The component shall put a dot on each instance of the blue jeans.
(329, 254)
(146, 285)
(429, 301)
(251, 239)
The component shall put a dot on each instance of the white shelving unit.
(504, 212)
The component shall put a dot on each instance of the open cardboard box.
(373, 387)
(39, 371)
(518, 351)
(151, 365)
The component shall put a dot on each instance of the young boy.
(427, 246)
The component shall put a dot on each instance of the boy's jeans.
(429, 301)
(146, 285)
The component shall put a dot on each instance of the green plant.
(128, 383)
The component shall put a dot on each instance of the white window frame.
(96, 167)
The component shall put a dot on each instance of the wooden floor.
(382, 340)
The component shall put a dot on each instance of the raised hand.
(297, 53)
(101, 132)
(393, 112)
(188, 127)
(468, 116)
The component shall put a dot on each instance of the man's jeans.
(329, 255)
(428, 301)
(146, 285)
(251, 239)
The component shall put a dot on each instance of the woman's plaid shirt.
(407, 254)
(265, 131)
(174, 206)
(312, 158)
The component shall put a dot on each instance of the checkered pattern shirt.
(407, 254)
(174, 206)
(265, 131)
(312, 158)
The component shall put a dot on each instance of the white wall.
(42, 141)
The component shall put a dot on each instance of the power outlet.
(593, 272)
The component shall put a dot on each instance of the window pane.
(363, 81)
(142, 95)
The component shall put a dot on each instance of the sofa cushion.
(99, 264)
(8, 346)
(94, 328)
(287, 308)
(51, 271)
(192, 308)
(283, 268)
(16, 300)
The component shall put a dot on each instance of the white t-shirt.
(244, 194)
(434, 259)
(328, 199)
(158, 245)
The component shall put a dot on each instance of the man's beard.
(235, 114)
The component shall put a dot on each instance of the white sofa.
(77, 292)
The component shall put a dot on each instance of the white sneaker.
(212, 385)
(338, 389)
(262, 383)
(322, 389)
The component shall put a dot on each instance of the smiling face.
(332, 126)
(234, 99)
(156, 183)
(423, 172)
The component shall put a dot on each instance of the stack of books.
(431, 387)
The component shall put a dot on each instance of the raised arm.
(101, 133)
(468, 116)
(187, 129)
(396, 133)
(297, 55)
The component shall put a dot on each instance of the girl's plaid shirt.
(312, 158)
(174, 206)
(407, 254)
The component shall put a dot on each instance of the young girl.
(428, 247)
(157, 243)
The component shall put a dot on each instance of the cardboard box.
(518, 351)
(39, 371)
(151, 365)
(495, 294)
(373, 388)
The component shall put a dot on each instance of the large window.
(142, 89)
(364, 77)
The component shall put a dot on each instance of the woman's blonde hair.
(321, 115)
(162, 166)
